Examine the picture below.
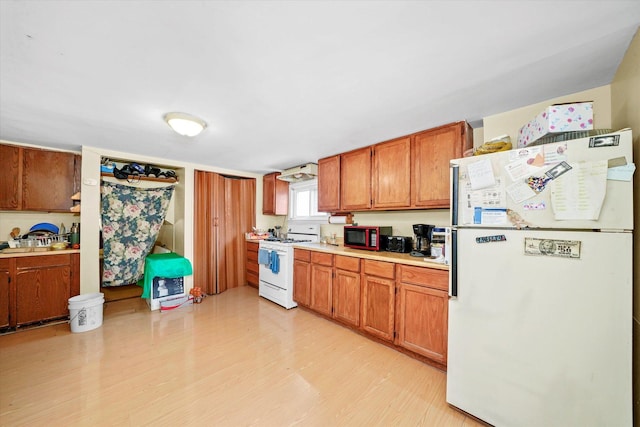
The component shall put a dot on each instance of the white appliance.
(540, 308)
(276, 284)
(299, 173)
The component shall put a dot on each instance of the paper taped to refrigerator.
(580, 193)
(519, 191)
(486, 198)
(552, 247)
(621, 173)
(481, 174)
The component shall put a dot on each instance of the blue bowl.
(45, 226)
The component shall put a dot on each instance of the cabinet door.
(431, 152)
(47, 180)
(346, 297)
(275, 195)
(268, 191)
(329, 184)
(252, 264)
(42, 293)
(77, 173)
(75, 275)
(321, 287)
(422, 321)
(302, 282)
(355, 180)
(4, 298)
(378, 306)
(11, 182)
(392, 174)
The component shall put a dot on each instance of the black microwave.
(367, 237)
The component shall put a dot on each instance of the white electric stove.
(276, 283)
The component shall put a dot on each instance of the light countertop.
(378, 256)
(38, 252)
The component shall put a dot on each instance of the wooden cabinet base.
(38, 288)
(252, 264)
(364, 334)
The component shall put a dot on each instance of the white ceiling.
(282, 83)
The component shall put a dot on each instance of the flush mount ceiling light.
(185, 124)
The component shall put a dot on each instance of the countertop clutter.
(398, 258)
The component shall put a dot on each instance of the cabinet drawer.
(252, 267)
(42, 261)
(252, 256)
(302, 255)
(379, 268)
(322, 258)
(429, 277)
(348, 263)
(4, 264)
(252, 279)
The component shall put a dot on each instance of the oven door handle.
(269, 285)
(278, 251)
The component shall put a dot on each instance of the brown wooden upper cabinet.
(391, 184)
(411, 172)
(275, 195)
(355, 180)
(329, 184)
(431, 152)
(39, 180)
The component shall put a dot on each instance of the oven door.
(280, 278)
(278, 287)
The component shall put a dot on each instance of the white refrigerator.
(540, 307)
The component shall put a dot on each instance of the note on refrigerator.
(621, 173)
(579, 193)
(487, 198)
(481, 174)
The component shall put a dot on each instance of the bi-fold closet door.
(224, 210)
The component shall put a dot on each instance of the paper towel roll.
(340, 219)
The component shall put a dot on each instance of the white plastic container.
(85, 312)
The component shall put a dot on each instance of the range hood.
(299, 173)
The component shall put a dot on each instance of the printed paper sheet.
(579, 194)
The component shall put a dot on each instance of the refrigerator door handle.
(453, 271)
(455, 170)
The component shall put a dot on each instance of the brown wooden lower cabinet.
(38, 288)
(378, 298)
(302, 277)
(321, 283)
(422, 311)
(328, 284)
(4, 293)
(404, 306)
(252, 264)
(347, 290)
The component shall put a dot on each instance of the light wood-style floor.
(234, 360)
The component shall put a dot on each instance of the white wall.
(625, 96)
(401, 221)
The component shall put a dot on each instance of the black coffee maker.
(422, 240)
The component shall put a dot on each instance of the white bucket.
(85, 312)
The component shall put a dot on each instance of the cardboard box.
(557, 119)
(163, 289)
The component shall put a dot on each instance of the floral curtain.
(131, 221)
